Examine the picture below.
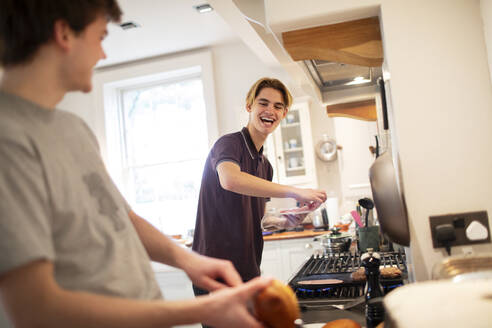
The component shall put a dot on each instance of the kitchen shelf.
(290, 125)
(293, 150)
(291, 169)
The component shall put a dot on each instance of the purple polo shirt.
(228, 225)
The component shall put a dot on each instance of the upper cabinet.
(290, 148)
(356, 42)
(362, 110)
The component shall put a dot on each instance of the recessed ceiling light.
(205, 8)
(129, 25)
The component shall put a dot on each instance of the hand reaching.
(205, 271)
(310, 197)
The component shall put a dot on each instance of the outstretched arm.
(32, 298)
(233, 179)
(202, 270)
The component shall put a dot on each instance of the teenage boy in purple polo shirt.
(236, 183)
(72, 252)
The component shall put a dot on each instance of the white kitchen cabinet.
(290, 148)
(283, 258)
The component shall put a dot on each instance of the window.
(158, 136)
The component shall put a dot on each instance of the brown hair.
(25, 25)
(267, 82)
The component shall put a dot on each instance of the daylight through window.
(165, 143)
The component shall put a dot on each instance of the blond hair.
(267, 82)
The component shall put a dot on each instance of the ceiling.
(167, 26)
(171, 26)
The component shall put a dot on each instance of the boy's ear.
(62, 34)
(248, 108)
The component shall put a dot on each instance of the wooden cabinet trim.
(355, 42)
(362, 110)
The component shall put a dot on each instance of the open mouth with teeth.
(268, 121)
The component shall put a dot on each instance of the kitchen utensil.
(343, 306)
(335, 242)
(326, 149)
(368, 238)
(293, 162)
(368, 204)
(377, 146)
(356, 217)
(392, 214)
(317, 219)
(388, 199)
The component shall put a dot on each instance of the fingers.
(254, 286)
(211, 284)
(230, 275)
(308, 196)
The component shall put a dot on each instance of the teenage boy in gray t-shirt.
(72, 252)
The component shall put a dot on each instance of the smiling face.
(266, 112)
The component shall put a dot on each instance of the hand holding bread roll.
(276, 306)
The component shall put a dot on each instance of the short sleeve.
(226, 149)
(25, 211)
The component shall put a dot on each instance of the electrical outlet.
(461, 223)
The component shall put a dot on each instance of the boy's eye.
(279, 107)
(264, 104)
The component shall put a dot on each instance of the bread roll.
(359, 275)
(276, 306)
(386, 272)
(342, 323)
(390, 272)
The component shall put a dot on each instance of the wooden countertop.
(294, 234)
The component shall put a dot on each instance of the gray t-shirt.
(57, 202)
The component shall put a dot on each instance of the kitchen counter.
(294, 234)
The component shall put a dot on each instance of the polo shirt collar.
(250, 145)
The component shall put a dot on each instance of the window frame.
(109, 81)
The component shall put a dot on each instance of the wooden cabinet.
(290, 148)
(283, 258)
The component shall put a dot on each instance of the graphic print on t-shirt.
(107, 205)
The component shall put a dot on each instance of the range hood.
(332, 76)
(319, 59)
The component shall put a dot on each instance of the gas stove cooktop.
(328, 278)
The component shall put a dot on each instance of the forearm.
(77, 309)
(247, 184)
(32, 298)
(159, 247)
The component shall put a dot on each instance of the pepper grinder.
(374, 291)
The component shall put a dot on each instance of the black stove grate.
(340, 266)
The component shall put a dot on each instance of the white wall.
(442, 101)
(486, 8)
(328, 173)
(235, 70)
